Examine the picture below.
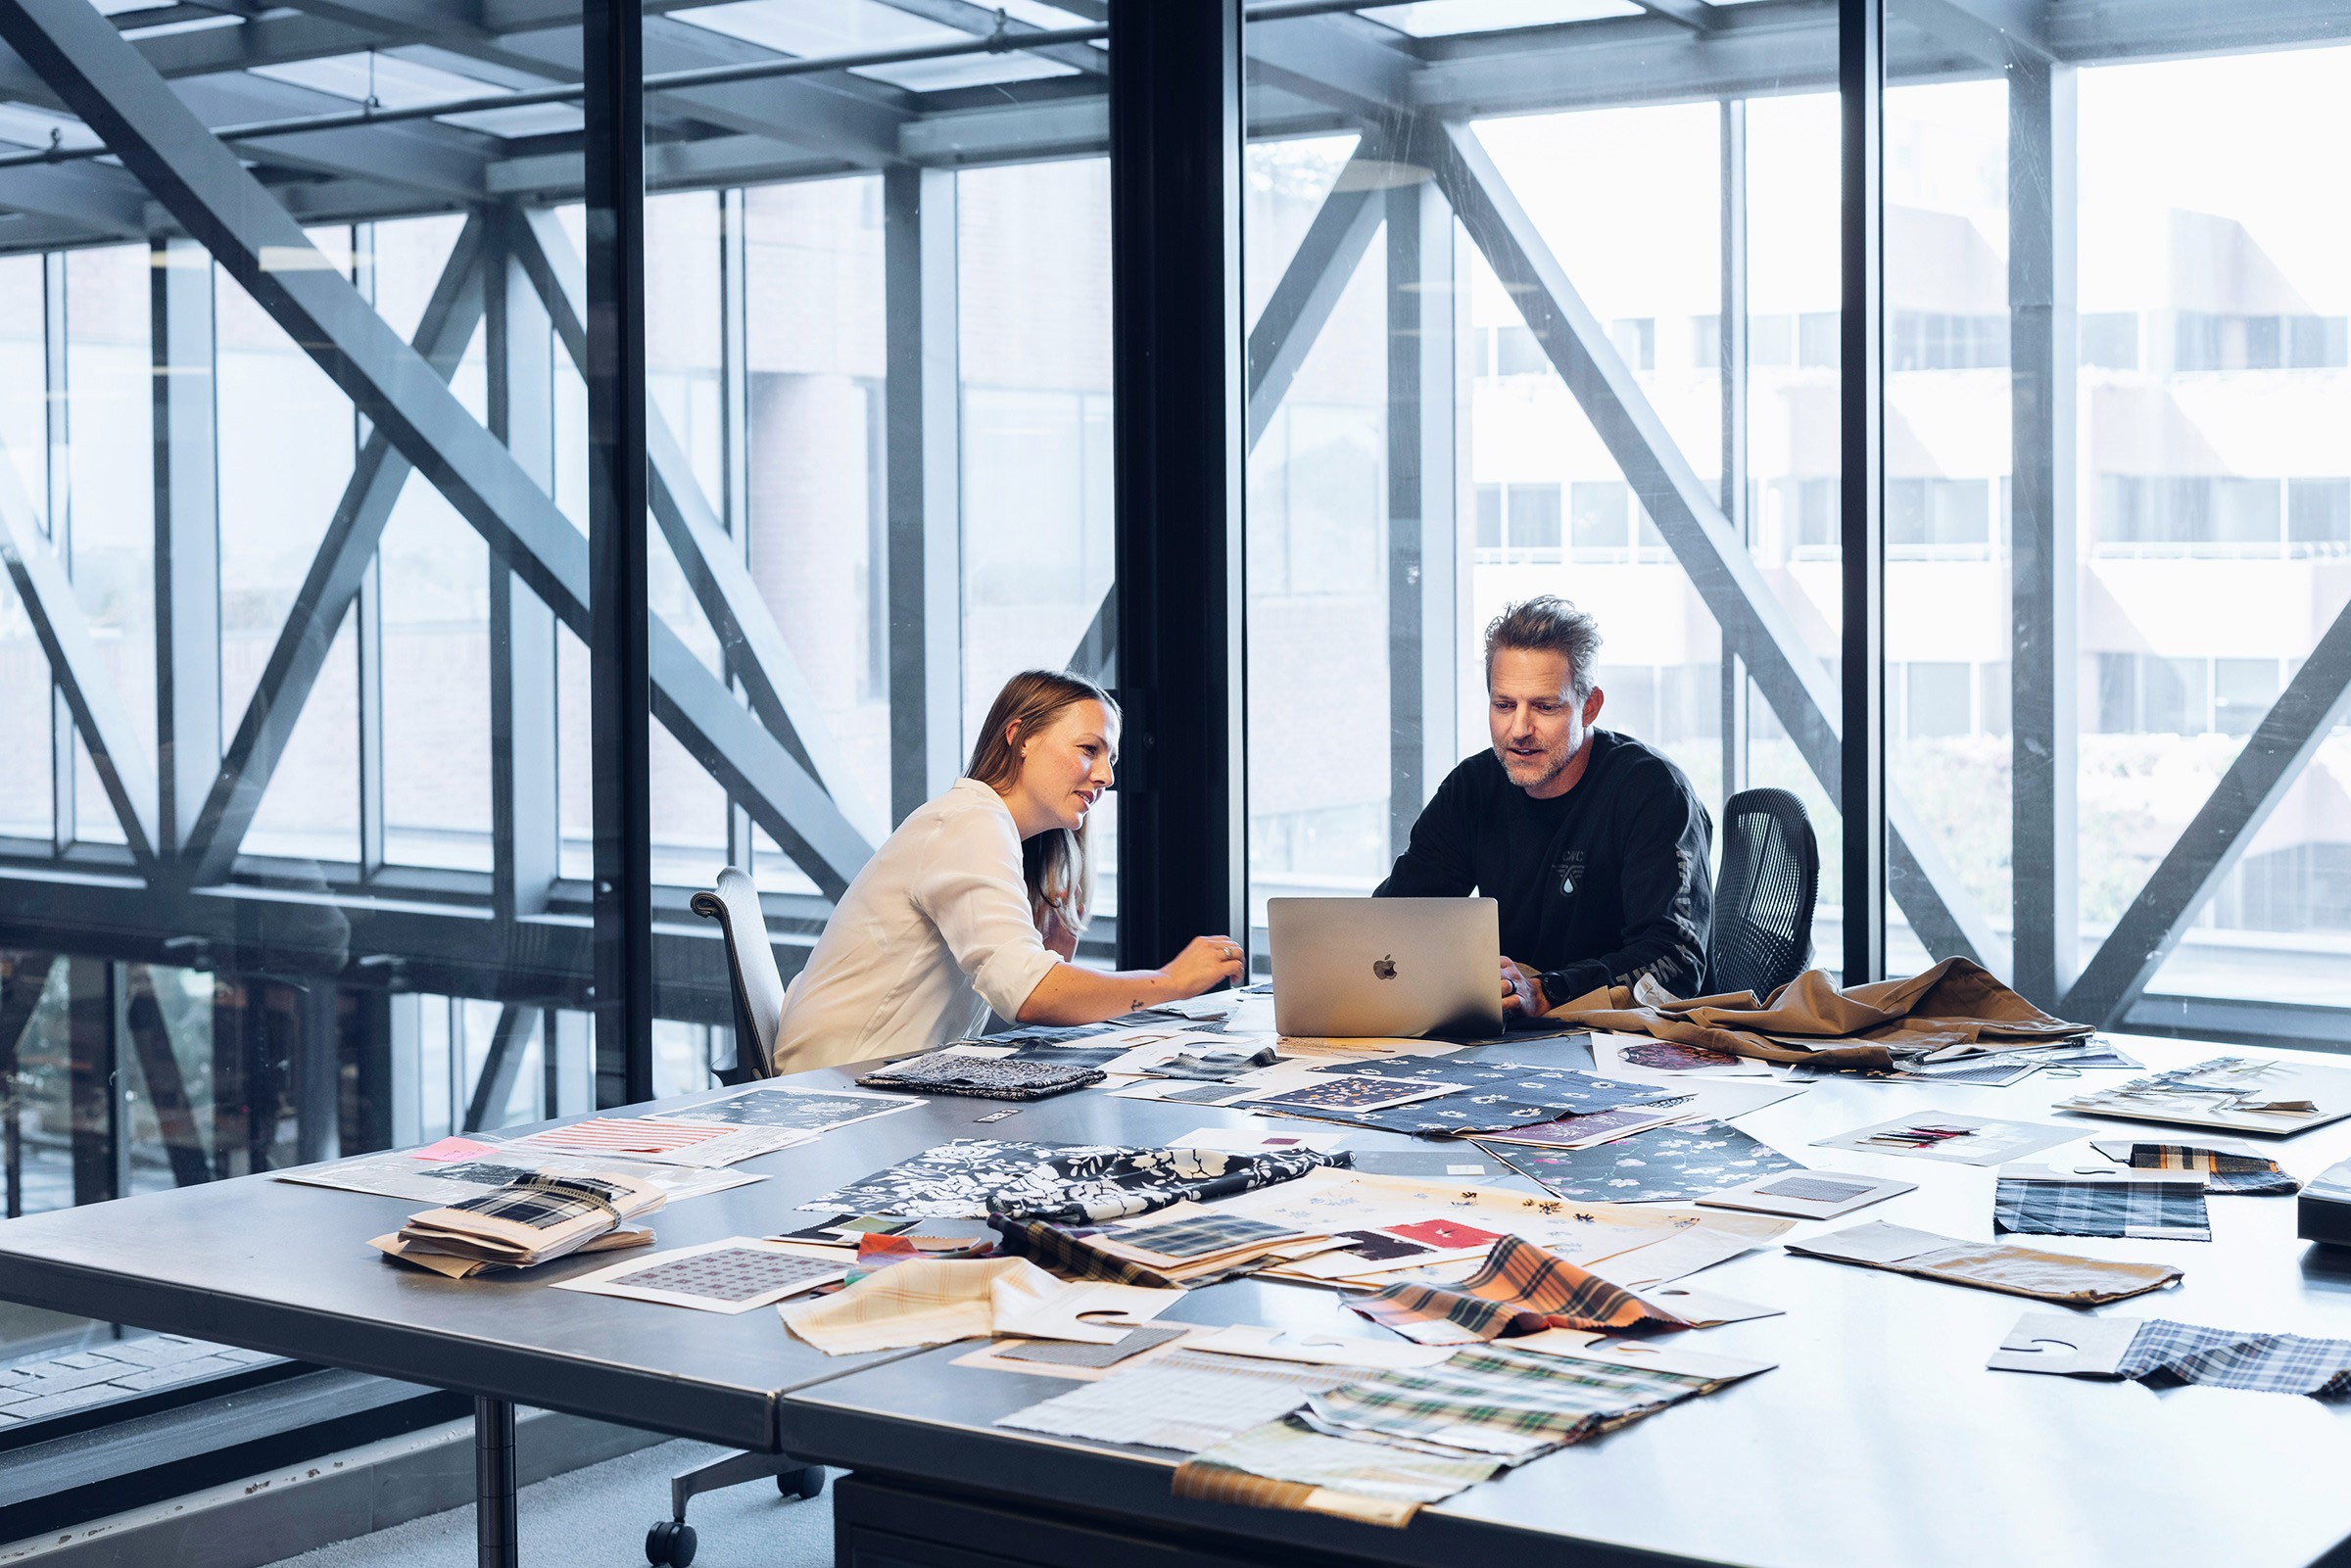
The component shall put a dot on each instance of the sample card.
(669, 1140)
(1637, 1056)
(1668, 1165)
(782, 1104)
(721, 1277)
(1951, 1135)
(2245, 1094)
(452, 1181)
(1809, 1194)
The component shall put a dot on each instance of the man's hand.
(1519, 992)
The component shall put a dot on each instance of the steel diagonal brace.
(201, 182)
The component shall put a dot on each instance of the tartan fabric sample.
(543, 1201)
(1068, 1250)
(2164, 1351)
(1519, 1289)
(2149, 1210)
(1288, 1464)
(1196, 1236)
(2241, 1175)
(1490, 1399)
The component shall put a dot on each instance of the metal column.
(922, 432)
(1424, 624)
(497, 1540)
(1732, 337)
(1861, 83)
(58, 518)
(1178, 438)
(187, 539)
(2044, 670)
(524, 812)
(619, 652)
(94, 1093)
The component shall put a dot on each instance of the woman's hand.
(1204, 961)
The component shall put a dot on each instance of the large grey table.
(1880, 1438)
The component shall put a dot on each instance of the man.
(1594, 845)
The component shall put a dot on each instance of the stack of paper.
(528, 1222)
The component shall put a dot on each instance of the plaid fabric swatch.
(1069, 1250)
(1489, 1399)
(2242, 1176)
(1199, 1235)
(2270, 1364)
(543, 1202)
(1519, 1289)
(1288, 1464)
(2154, 1211)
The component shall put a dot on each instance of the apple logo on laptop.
(1384, 968)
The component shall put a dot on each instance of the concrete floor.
(596, 1518)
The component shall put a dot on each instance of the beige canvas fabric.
(1956, 1002)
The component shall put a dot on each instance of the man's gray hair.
(1548, 624)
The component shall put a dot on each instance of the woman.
(976, 902)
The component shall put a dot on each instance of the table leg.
(495, 1543)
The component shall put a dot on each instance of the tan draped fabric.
(1809, 1019)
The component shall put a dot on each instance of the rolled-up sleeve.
(969, 886)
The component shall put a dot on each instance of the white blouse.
(933, 933)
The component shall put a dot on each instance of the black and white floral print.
(1071, 1184)
(1498, 1096)
(1665, 1164)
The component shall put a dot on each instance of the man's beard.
(1542, 769)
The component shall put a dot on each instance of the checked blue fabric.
(2164, 1351)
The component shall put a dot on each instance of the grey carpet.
(597, 1518)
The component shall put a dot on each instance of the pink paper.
(451, 1149)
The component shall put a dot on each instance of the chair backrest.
(758, 984)
(1762, 936)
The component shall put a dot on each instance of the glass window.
(2318, 515)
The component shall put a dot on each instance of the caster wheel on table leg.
(670, 1543)
(803, 1483)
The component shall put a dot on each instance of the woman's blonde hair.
(1054, 863)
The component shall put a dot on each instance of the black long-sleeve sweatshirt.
(1599, 886)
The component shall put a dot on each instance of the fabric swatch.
(1519, 1289)
(1491, 1399)
(919, 1302)
(1077, 1184)
(2271, 1363)
(1070, 1251)
(1185, 1400)
(983, 1076)
(2239, 1175)
(1664, 1164)
(2165, 1211)
(1498, 1097)
(1288, 1464)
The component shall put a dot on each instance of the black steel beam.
(922, 395)
(1318, 274)
(1861, 390)
(501, 1068)
(338, 569)
(187, 538)
(983, 22)
(2045, 671)
(621, 616)
(2209, 847)
(64, 633)
(711, 559)
(1180, 440)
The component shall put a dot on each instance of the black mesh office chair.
(1762, 936)
(758, 987)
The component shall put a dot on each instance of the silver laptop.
(1398, 966)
